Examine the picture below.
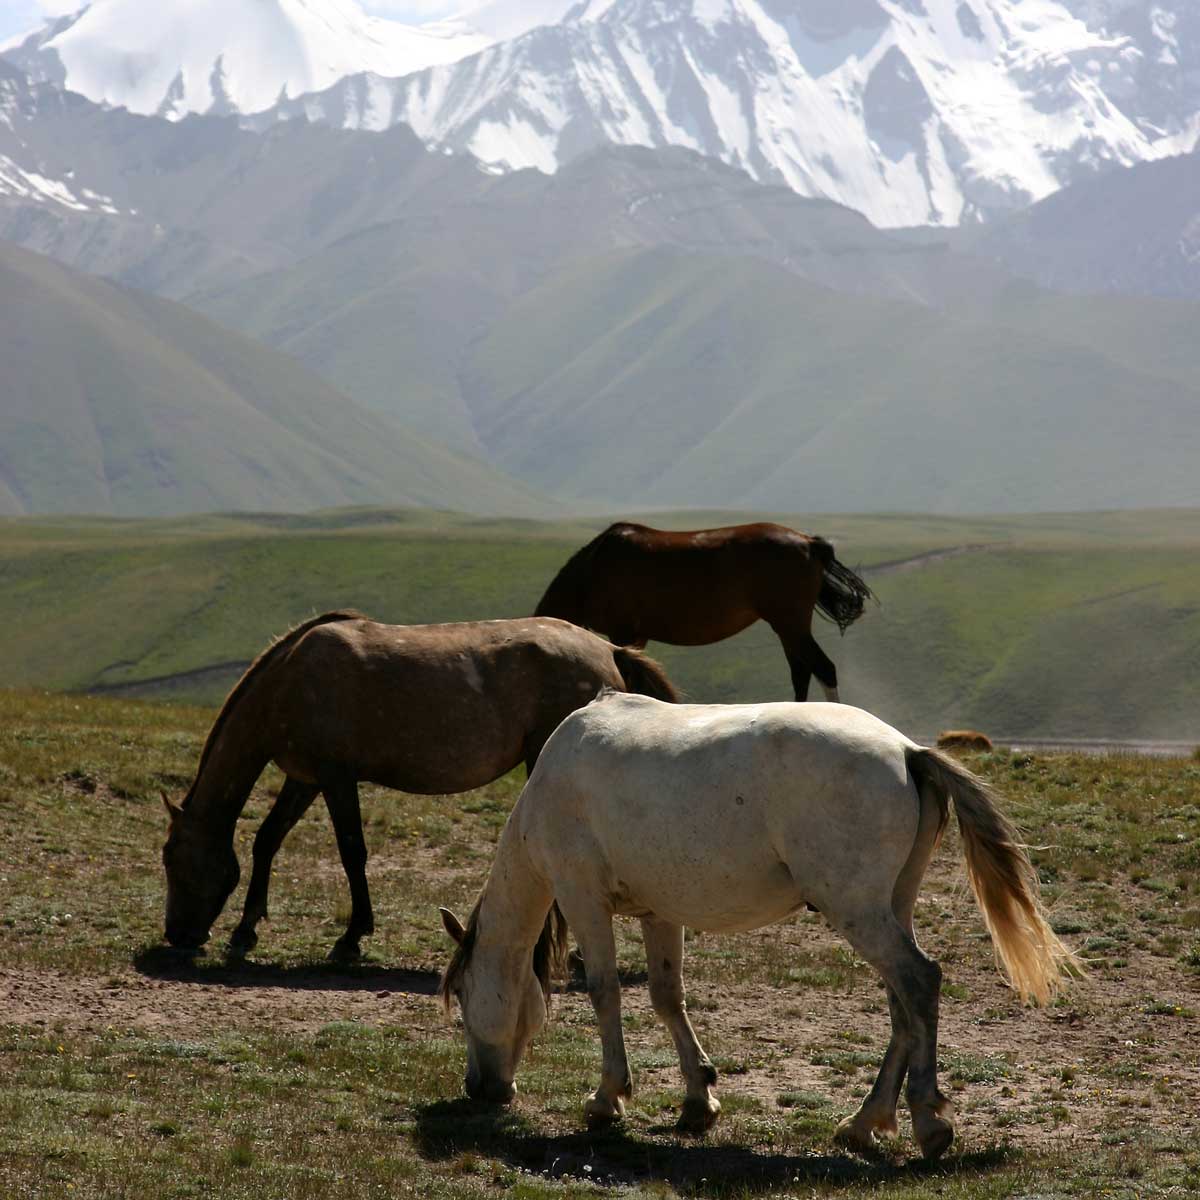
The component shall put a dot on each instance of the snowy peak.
(911, 111)
(173, 57)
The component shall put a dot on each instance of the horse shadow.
(161, 962)
(620, 1157)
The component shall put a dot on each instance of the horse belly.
(674, 874)
(428, 751)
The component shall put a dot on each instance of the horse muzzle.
(187, 940)
(491, 1091)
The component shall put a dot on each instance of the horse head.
(200, 877)
(503, 1002)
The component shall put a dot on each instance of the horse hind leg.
(664, 960)
(916, 981)
(877, 1113)
(341, 798)
(290, 805)
(806, 659)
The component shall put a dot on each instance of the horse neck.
(515, 899)
(227, 773)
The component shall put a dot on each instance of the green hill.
(1041, 626)
(115, 401)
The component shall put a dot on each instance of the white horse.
(727, 818)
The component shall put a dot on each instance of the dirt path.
(894, 565)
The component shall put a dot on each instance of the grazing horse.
(636, 584)
(728, 818)
(339, 699)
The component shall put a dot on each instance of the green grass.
(1052, 626)
(286, 1078)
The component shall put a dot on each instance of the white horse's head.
(503, 993)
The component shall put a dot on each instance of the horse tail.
(552, 951)
(843, 595)
(643, 675)
(271, 654)
(1002, 877)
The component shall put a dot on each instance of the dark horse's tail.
(843, 594)
(643, 675)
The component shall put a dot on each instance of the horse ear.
(173, 810)
(452, 925)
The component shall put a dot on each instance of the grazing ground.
(129, 1074)
(1056, 626)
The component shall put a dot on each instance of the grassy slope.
(218, 1098)
(682, 379)
(115, 401)
(1083, 626)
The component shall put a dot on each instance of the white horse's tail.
(1002, 878)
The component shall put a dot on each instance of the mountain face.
(117, 402)
(910, 111)
(1129, 232)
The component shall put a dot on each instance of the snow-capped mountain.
(911, 111)
(26, 176)
(173, 57)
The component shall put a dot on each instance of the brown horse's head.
(200, 877)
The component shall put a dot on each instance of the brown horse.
(638, 584)
(342, 699)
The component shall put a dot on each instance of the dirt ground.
(1119, 1051)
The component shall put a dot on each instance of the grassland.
(130, 1075)
(1055, 626)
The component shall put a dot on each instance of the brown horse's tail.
(1002, 877)
(843, 594)
(643, 675)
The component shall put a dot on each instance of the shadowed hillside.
(115, 401)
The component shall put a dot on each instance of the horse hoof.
(850, 1135)
(600, 1113)
(699, 1114)
(345, 952)
(240, 944)
(934, 1137)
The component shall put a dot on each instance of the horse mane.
(567, 586)
(843, 595)
(644, 675)
(549, 954)
(277, 647)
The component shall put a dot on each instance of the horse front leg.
(341, 798)
(594, 932)
(664, 962)
(290, 805)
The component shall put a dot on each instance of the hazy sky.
(16, 16)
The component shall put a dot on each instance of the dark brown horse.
(636, 584)
(342, 699)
